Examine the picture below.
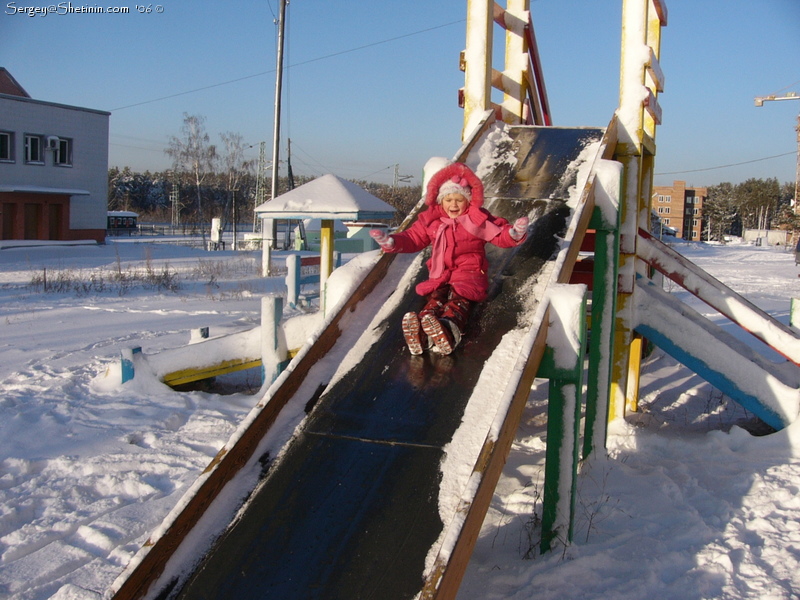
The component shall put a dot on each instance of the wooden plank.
(653, 107)
(661, 10)
(229, 366)
(654, 69)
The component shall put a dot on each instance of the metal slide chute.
(351, 504)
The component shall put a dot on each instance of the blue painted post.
(273, 347)
(126, 362)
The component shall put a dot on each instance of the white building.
(53, 168)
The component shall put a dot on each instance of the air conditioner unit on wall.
(52, 142)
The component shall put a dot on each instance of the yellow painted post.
(640, 81)
(477, 63)
(516, 17)
(634, 367)
(326, 257)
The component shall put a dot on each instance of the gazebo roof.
(327, 197)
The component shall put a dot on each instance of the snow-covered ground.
(685, 505)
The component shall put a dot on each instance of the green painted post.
(563, 421)
(604, 300)
(273, 348)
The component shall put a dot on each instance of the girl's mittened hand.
(382, 238)
(520, 228)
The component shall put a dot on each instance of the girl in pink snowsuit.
(457, 227)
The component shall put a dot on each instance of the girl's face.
(454, 205)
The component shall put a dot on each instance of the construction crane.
(789, 96)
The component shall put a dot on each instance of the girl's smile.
(454, 205)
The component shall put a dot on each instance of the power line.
(200, 89)
(725, 166)
(305, 62)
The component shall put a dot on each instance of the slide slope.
(360, 500)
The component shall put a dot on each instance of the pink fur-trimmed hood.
(460, 173)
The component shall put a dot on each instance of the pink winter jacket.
(458, 256)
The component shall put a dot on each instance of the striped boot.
(440, 334)
(413, 334)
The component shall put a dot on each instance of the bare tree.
(192, 152)
(236, 167)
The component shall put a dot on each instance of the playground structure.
(370, 477)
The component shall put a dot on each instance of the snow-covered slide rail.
(744, 313)
(767, 389)
(365, 472)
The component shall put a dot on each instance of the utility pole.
(399, 178)
(277, 117)
(789, 96)
(269, 229)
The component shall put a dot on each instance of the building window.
(663, 210)
(694, 222)
(696, 211)
(694, 235)
(666, 221)
(33, 149)
(6, 146)
(62, 155)
(664, 198)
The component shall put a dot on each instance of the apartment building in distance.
(680, 208)
(53, 168)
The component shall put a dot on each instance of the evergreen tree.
(719, 211)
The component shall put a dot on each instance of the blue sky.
(372, 84)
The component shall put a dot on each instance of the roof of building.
(327, 197)
(10, 86)
(13, 91)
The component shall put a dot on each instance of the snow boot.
(456, 310)
(434, 303)
(413, 333)
(439, 332)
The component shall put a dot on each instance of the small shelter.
(327, 198)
